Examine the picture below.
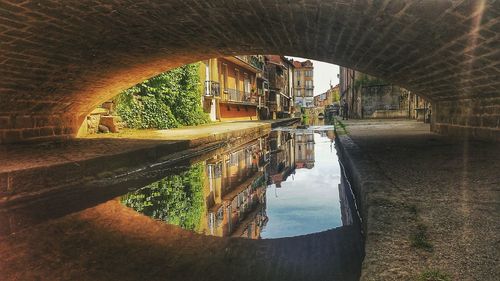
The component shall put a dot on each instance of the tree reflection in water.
(176, 199)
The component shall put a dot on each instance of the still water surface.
(284, 184)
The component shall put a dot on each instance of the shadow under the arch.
(112, 242)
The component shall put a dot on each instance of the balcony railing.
(238, 96)
(253, 60)
(212, 89)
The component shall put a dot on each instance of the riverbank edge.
(364, 176)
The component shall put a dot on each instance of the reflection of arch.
(59, 62)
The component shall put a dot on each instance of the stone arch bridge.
(60, 59)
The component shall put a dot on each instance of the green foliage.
(169, 100)
(339, 124)
(434, 275)
(176, 199)
(419, 239)
(336, 96)
(367, 80)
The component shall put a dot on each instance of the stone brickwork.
(63, 58)
(35, 127)
(476, 118)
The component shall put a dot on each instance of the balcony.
(254, 61)
(272, 106)
(212, 89)
(233, 95)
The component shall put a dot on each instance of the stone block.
(42, 121)
(21, 122)
(93, 122)
(112, 122)
(30, 133)
(5, 122)
(12, 136)
(46, 132)
(491, 121)
(109, 105)
(103, 129)
(4, 183)
(58, 131)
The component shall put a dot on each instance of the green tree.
(169, 100)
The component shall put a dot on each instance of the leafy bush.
(169, 100)
(419, 239)
(434, 275)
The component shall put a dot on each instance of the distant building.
(303, 83)
(282, 157)
(331, 96)
(304, 150)
(231, 87)
(279, 73)
(370, 97)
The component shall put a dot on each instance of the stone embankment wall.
(477, 118)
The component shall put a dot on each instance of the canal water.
(284, 184)
(282, 197)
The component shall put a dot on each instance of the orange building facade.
(231, 87)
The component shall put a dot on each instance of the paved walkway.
(439, 193)
(26, 156)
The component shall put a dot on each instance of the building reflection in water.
(226, 194)
(235, 193)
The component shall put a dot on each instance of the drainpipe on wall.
(409, 105)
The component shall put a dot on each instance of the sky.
(323, 74)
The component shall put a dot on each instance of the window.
(223, 76)
(246, 84)
(298, 83)
(308, 73)
(298, 94)
(309, 84)
(237, 78)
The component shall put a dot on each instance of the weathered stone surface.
(112, 122)
(103, 129)
(65, 59)
(93, 122)
(446, 184)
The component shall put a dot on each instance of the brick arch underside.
(60, 59)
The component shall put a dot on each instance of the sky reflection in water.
(308, 201)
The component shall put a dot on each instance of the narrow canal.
(269, 207)
(285, 184)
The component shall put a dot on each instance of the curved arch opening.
(252, 87)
